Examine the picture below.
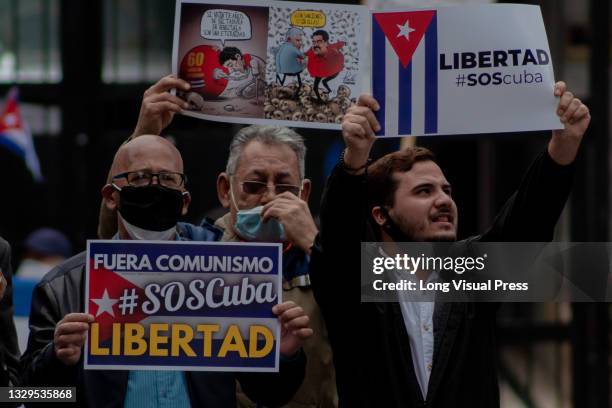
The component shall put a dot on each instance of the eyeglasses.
(143, 178)
(259, 187)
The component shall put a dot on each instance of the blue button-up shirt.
(156, 389)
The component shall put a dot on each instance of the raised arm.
(156, 113)
(575, 116)
(159, 106)
(344, 196)
(533, 210)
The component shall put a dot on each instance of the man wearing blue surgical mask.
(265, 189)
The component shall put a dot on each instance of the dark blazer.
(370, 344)
(9, 347)
(61, 292)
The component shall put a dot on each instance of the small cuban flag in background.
(15, 135)
(405, 72)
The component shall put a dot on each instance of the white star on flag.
(10, 120)
(405, 30)
(105, 304)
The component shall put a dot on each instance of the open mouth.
(442, 218)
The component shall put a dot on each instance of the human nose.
(154, 176)
(443, 200)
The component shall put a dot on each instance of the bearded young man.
(421, 354)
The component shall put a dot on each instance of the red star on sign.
(404, 31)
(107, 284)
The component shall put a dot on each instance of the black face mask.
(153, 208)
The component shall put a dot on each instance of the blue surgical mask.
(251, 227)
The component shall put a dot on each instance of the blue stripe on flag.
(431, 77)
(405, 99)
(5, 141)
(378, 72)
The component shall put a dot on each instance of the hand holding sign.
(159, 106)
(358, 127)
(576, 117)
(69, 337)
(294, 327)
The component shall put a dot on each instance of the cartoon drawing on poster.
(270, 62)
(220, 57)
(314, 60)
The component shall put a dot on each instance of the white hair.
(294, 32)
(270, 135)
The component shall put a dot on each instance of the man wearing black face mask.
(148, 190)
(147, 210)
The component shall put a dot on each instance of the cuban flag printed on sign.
(168, 305)
(405, 72)
(15, 135)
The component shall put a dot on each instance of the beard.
(402, 231)
(443, 239)
(399, 232)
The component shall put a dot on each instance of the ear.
(223, 190)
(379, 215)
(306, 187)
(109, 198)
(186, 202)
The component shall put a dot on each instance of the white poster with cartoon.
(270, 62)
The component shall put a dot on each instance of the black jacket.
(9, 348)
(371, 347)
(61, 292)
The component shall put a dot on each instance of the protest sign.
(461, 70)
(188, 306)
(435, 71)
(270, 62)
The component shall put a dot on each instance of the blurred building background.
(83, 65)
